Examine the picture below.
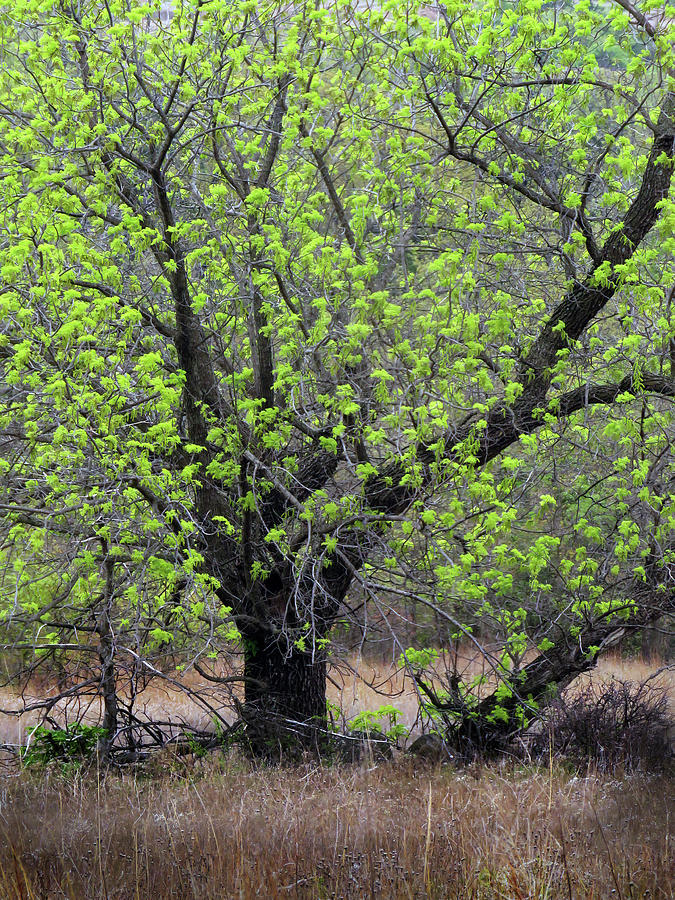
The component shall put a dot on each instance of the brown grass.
(393, 831)
(219, 827)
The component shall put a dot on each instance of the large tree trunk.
(106, 654)
(285, 696)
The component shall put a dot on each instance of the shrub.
(619, 723)
(73, 744)
(377, 721)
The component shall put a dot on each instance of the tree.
(313, 305)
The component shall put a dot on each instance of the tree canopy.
(316, 308)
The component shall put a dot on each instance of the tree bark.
(106, 653)
(285, 695)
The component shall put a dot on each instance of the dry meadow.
(219, 827)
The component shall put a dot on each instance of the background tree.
(311, 306)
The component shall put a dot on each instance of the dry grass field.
(396, 830)
(220, 827)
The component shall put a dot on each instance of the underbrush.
(220, 827)
(619, 724)
(188, 826)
